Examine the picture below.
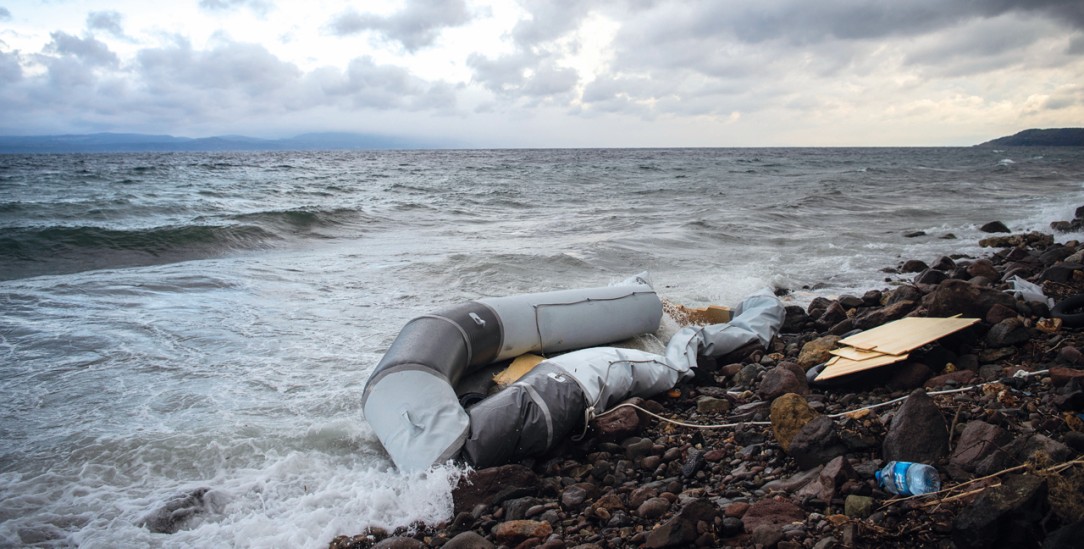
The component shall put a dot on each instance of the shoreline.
(1000, 402)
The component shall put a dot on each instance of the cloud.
(109, 21)
(10, 70)
(416, 26)
(5, 15)
(258, 6)
(89, 50)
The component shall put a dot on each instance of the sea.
(178, 322)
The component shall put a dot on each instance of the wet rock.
(1062, 272)
(494, 485)
(816, 443)
(618, 425)
(789, 413)
(913, 266)
(468, 540)
(1009, 515)
(1010, 331)
(984, 268)
(776, 513)
(780, 381)
(930, 277)
(817, 351)
(917, 431)
(959, 297)
(399, 542)
(981, 448)
(174, 513)
(994, 227)
(514, 531)
(515, 509)
(877, 317)
(944, 263)
(795, 320)
(905, 292)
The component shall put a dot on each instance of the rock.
(1009, 515)
(575, 495)
(983, 268)
(699, 510)
(1062, 272)
(980, 448)
(694, 461)
(780, 381)
(732, 526)
(712, 405)
(1060, 375)
(1066, 537)
(1070, 355)
(994, 227)
(999, 312)
(640, 495)
(1038, 443)
(399, 542)
(789, 413)
(908, 376)
(653, 508)
(776, 513)
(174, 513)
(913, 266)
(766, 536)
(930, 277)
(515, 531)
(676, 532)
(515, 509)
(493, 485)
(959, 297)
(794, 321)
(817, 351)
(958, 378)
(888, 313)
(917, 431)
(905, 292)
(1010, 331)
(748, 374)
(816, 443)
(858, 507)
(622, 423)
(834, 474)
(639, 449)
(468, 540)
(944, 263)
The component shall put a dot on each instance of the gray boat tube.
(410, 398)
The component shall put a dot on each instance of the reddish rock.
(959, 377)
(780, 381)
(514, 531)
(877, 317)
(776, 513)
(618, 425)
(736, 509)
(1061, 375)
(1070, 355)
(983, 268)
(980, 448)
(999, 312)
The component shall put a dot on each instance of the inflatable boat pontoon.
(410, 399)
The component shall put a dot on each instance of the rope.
(590, 413)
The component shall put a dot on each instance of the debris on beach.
(749, 453)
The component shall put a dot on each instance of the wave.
(34, 251)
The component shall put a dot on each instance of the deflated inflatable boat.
(410, 399)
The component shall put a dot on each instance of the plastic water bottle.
(908, 479)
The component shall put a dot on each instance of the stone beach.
(997, 409)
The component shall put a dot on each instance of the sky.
(547, 73)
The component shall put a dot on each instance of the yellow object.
(520, 366)
(712, 314)
(888, 344)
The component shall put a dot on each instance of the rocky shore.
(997, 408)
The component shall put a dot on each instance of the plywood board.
(840, 366)
(856, 354)
(906, 334)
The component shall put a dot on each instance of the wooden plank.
(856, 354)
(906, 334)
(840, 366)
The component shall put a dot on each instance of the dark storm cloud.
(92, 51)
(416, 26)
(109, 21)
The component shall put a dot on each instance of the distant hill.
(1060, 137)
(136, 142)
